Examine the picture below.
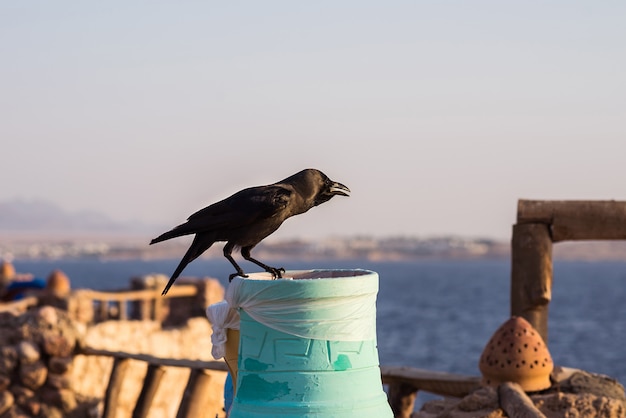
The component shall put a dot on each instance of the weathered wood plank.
(440, 383)
(146, 294)
(572, 220)
(193, 404)
(112, 394)
(192, 364)
(514, 401)
(150, 386)
(531, 274)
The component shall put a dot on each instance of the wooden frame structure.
(540, 223)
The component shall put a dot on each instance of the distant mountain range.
(42, 216)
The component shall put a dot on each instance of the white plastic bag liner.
(336, 305)
(221, 317)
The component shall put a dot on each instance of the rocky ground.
(578, 395)
(36, 351)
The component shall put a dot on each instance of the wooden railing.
(403, 383)
(145, 304)
(190, 405)
(149, 302)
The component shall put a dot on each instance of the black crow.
(247, 217)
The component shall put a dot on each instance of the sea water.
(437, 315)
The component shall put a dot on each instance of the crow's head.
(328, 189)
(316, 187)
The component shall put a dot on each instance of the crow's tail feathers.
(174, 233)
(186, 228)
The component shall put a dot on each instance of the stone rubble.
(36, 351)
(582, 395)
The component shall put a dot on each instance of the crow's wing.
(243, 208)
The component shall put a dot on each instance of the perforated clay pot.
(517, 353)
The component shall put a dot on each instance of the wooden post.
(193, 404)
(150, 385)
(104, 310)
(111, 397)
(514, 401)
(402, 399)
(531, 274)
(146, 308)
(159, 308)
(123, 304)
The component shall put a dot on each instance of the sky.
(439, 115)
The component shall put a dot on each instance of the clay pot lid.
(517, 353)
(58, 283)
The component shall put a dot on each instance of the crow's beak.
(339, 189)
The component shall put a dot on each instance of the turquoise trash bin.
(308, 345)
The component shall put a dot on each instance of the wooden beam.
(144, 294)
(531, 274)
(576, 219)
(194, 400)
(514, 401)
(150, 386)
(112, 394)
(193, 364)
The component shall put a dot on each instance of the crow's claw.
(232, 276)
(277, 273)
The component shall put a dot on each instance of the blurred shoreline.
(50, 246)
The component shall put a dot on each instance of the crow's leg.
(228, 250)
(276, 272)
